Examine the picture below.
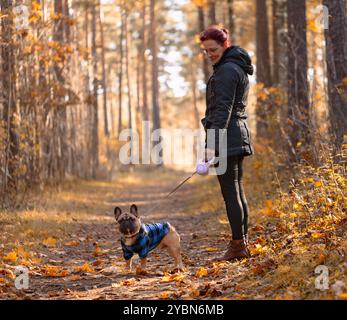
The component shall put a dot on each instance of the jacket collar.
(221, 61)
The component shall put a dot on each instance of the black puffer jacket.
(226, 98)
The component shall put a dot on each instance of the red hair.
(220, 35)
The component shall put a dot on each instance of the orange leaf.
(85, 268)
(50, 242)
(11, 256)
(317, 235)
(54, 271)
(173, 277)
(164, 295)
(211, 249)
(72, 243)
(128, 282)
(201, 272)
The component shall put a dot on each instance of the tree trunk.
(104, 87)
(155, 83)
(263, 68)
(145, 113)
(262, 44)
(120, 72)
(231, 20)
(298, 102)
(336, 61)
(212, 11)
(60, 153)
(127, 71)
(88, 108)
(201, 21)
(95, 130)
(145, 142)
(8, 96)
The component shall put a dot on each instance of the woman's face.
(213, 50)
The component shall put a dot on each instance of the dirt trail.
(68, 240)
(99, 248)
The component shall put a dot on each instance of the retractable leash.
(202, 168)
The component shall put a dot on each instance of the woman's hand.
(209, 154)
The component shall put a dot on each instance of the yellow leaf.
(164, 295)
(50, 242)
(85, 268)
(223, 221)
(11, 256)
(311, 25)
(201, 272)
(296, 206)
(54, 271)
(72, 243)
(258, 249)
(97, 252)
(343, 296)
(74, 278)
(35, 6)
(173, 277)
(317, 235)
(318, 184)
(22, 253)
(211, 249)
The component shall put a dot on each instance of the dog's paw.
(141, 272)
(178, 269)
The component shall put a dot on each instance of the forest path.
(85, 261)
(68, 240)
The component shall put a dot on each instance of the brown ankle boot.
(237, 249)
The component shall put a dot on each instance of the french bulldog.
(141, 238)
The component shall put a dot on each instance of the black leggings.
(234, 197)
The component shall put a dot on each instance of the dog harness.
(149, 237)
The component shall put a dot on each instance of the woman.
(226, 97)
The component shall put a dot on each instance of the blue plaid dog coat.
(149, 237)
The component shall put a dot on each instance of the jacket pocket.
(245, 134)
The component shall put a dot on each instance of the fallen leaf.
(23, 253)
(164, 295)
(55, 271)
(128, 282)
(84, 268)
(317, 235)
(343, 296)
(50, 242)
(11, 256)
(211, 249)
(98, 262)
(53, 294)
(201, 272)
(72, 243)
(173, 277)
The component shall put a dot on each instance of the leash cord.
(174, 190)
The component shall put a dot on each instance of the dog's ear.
(133, 210)
(117, 212)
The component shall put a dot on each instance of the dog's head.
(129, 223)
